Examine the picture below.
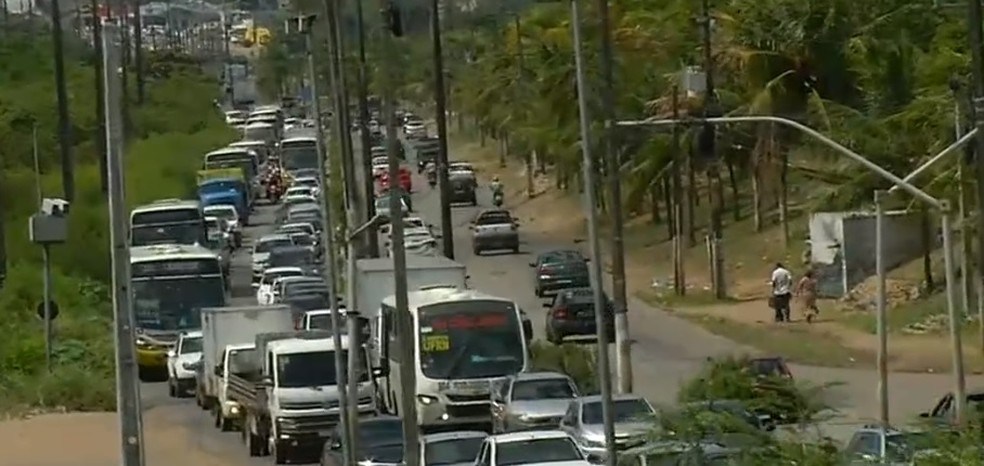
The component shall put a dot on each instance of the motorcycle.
(432, 178)
(497, 198)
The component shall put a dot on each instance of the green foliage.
(779, 397)
(577, 361)
(168, 135)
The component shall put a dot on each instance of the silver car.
(495, 229)
(457, 448)
(633, 417)
(531, 400)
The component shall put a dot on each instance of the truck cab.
(292, 402)
(228, 190)
(236, 359)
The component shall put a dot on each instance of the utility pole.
(613, 163)
(64, 119)
(977, 72)
(341, 94)
(679, 272)
(127, 386)
(305, 25)
(405, 332)
(441, 118)
(365, 143)
(138, 51)
(597, 285)
(706, 146)
(100, 95)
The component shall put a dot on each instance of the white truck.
(229, 334)
(290, 400)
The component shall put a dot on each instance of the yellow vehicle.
(257, 36)
(171, 283)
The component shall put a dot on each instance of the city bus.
(299, 153)
(463, 341)
(168, 221)
(170, 284)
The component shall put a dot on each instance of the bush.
(780, 398)
(577, 361)
(177, 124)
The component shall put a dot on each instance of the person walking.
(806, 289)
(782, 291)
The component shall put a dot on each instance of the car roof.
(289, 249)
(528, 435)
(273, 237)
(539, 375)
(591, 399)
(458, 434)
(285, 269)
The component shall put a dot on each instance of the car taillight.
(560, 313)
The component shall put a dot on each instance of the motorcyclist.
(496, 186)
(431, 170)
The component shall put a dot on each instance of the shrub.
(729, 379)
(577, 361)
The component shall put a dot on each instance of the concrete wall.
(843, 246)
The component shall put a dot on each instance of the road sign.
(54, 310)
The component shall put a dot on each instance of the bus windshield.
(187, 233)
(299, 156)
(470, 339)
(175, 303)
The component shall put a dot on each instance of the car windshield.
(242, 360)
(386, 431)
(269, 277)
(271, 244)
(452, 451)
(391, 453)
(545, 389)
(293, 257)
(548, 450)
(380, 161)
(624, 411)
(222, 212)
(302, 239)
(323, 322)
(165, 234)
(307, 301)
(311, 369)
(191, 345)
(494, 218)
(473, 339)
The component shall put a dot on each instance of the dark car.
(463, 186)
(380, 441)
(556, 270)
(572, 313)
(294, 256)
(301, 303)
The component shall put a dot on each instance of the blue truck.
(226, 190)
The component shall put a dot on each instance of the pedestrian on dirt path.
(806, 289)
(782, 292)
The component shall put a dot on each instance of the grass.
(792, 342)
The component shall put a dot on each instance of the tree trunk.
(784, 198)
(694, 190)
(927, 249)
(3, 236)
(691, 204)
(735, 200)
(668, 203)
(756, 193)
(711, 188)
(654, 195)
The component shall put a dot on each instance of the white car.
(182, 362)
(380, 165)
(261, 252)
(450, 448)
(299, 191)
(264, 288)
(320, 319)
(408, 223)
(539, 447)
(300, 199)
(414, 129)
(310, 182)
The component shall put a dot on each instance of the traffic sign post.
(46, 228)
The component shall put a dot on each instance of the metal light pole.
(405, 332)
(605, 375)
(366, 150)
(955, 320)
(882, 319)
(127, 386)
(305, 24)
(65, 142)
(138, 55)
(441, 116)
(974, 19)
(613, 165)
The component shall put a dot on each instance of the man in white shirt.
(782, 292)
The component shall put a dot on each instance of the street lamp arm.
(908, 187)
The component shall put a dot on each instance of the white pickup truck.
(227, 346)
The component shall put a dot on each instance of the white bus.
(299, 153)
(463, 341)
(170, 284)
(168, 221)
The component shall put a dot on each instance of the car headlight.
(426, 400)
(595, 443)
(190, 366)
(143, 343)
(525, 418)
